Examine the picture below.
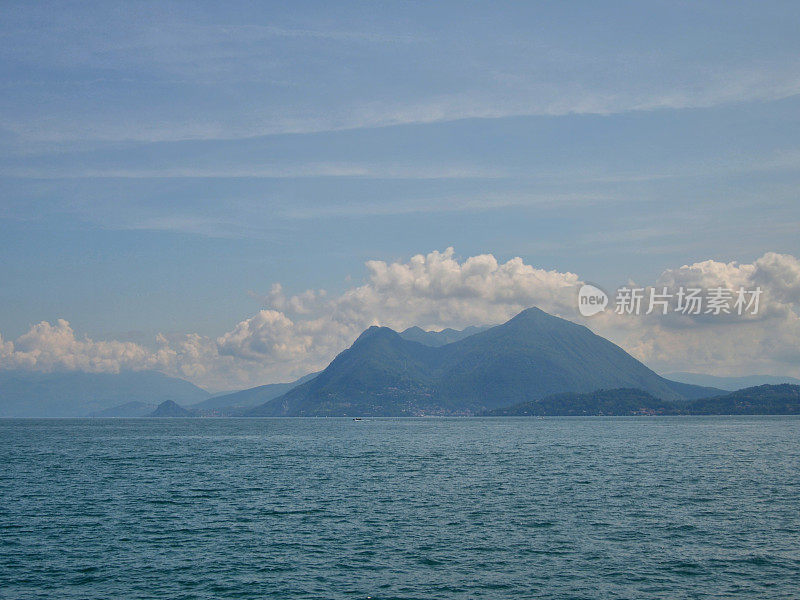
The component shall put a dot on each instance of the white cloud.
(296, 334)
(767, 342)
(49, 347)
(434, 290)
(267, 335)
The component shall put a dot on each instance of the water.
(673, 507)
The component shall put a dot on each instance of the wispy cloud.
(251, 122)
(163, 74)
(292, 171)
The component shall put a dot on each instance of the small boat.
(357, 419)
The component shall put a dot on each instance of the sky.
(230, 192)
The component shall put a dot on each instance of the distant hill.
(731, 383)
(531, 356)
(168, 408)
(760, 400)
(619, 402)
(129, 410)
(783, 399)
(234, 403)
(439, 338)
(77, 394)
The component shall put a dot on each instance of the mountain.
(168, 408)
(439, 338)
(236, 402)
(77, 394)
(531, 356)
(781, 399)
(731, 383)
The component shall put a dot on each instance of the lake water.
(671, 507)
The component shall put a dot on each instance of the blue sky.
(163, 165)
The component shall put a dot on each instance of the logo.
(591, 300)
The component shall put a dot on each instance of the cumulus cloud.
(727, 344)
(49, 347)
(434, 291)
(269, 334)
(296, 334)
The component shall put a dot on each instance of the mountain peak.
(170, 408)
(541, 320)
(413, 330)
(375, 332)
(529, 357)
(532, 313)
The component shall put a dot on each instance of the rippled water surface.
(401, 508)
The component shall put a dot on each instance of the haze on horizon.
(231, 196)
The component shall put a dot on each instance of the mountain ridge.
(731, 383)
(782, 399)
(234, 403)
(440, 338)
(79, 394)
(532, 355)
